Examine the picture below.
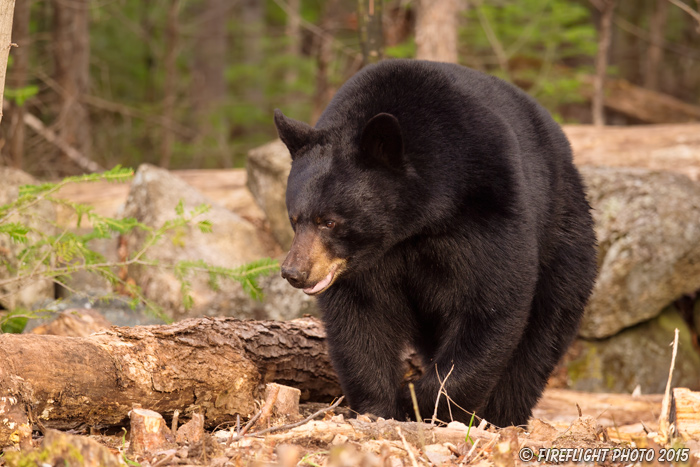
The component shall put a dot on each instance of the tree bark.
(169, 86)
(253, 17)
(324, 55)
(6, 12)
(293, 33)
(436, 30)
(18, 79)
(369, 13)
(208, 85)
(655, 52)
(216, 365)
(71, 61)
(149, 58)
(607, 8)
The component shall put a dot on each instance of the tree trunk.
(169, 86)
(369, 13)
(324, 55)
(72, 60)
(655, 52)
(436, 30)
(607, 8)
(6, 12)
(149, 58)
(210, 44)
(253, 16)
(17, 79)
(293, 32)
(216, 365)
(208, 86)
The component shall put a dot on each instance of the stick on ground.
(664, 424)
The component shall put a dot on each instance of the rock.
(74, 323)
(281, 301)
(648, 229)
(268, 168)
(41, 216)
(233, 242)
(117, 312)
(640, 355)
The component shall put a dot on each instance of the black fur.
(466, 232)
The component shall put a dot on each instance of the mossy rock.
(640, 355)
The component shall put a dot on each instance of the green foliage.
(537, 37)
(14, 322)
(406, 49)
(54, 253)
(19, 96)
(128, 42)
(467, 439)
(123, 451)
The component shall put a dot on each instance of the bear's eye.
(329, 224)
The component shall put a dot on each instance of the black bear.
(437, 208)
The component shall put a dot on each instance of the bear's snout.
(295, 277)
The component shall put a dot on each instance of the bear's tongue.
(321, 284)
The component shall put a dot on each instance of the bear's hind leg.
(562, 291)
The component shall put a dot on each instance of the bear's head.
(345, 198)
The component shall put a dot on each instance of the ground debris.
(329, 437)
(65, 450)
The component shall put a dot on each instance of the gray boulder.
(639, 355)
(233, 242)
(268, 167)
(40, 217)
(648, 229)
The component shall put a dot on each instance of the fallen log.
(646, 105)
(217, 366)
(642, 104)
(214, 366)
(674, 148)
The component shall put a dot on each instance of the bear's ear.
(293, 133)
(382, 141)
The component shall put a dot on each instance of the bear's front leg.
(474, 350)
(366, 338)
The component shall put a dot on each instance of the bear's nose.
(295, 277)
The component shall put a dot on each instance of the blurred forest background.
(193, 83)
